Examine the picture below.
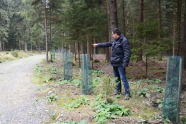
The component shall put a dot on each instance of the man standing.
(119, 60)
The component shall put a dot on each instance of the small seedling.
(38, 70)
(81, 101)
(98, 73)
(77, 82)
(157, 81)
(154, 81)
(143, 93)
(54, 69)
(100, 96)
(160, 103)
(48, 79)
(160, 90)
(157, 88)
(105, 111)
(62, 82)
(52, 97)
(54, 117)
(96, 61)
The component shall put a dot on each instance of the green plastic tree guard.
(174, 80)
(86, 75)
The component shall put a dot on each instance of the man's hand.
(95, 45)
(124, 66)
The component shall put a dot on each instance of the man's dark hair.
(117, 31)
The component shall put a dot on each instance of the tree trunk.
(91, 52)
(123, 16)
(173, 36)
(184, 37)
(160, 20)
(50, 46)
(107, 29)
(113, 16)
(29, 35)
(94, 47)
(1, 47)
(146, 66)
(46, 39)
(141, 11)
(19, 44)
(179, 27)
(26, 42)
(39, 46)
(26, 50)
(82, 48)
(133, 30)
(31, 46)
(36, 47)
(141, 40)
(76, 51)
(79, 55)
(69, 48)
(88, 46)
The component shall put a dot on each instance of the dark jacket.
(120, 51)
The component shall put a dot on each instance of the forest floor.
(45, 97)
(69, 105)
(18, 102)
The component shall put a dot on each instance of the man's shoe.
(114, 94)
(127, 97)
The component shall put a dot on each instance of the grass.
(6, 56)
(69, 92)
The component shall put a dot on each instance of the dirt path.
(18, 104)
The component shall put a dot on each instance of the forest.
(155, 29)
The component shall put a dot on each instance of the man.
(119, 60)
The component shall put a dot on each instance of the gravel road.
(18, 104)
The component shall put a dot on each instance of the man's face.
(115, 36)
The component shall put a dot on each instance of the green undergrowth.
(101, 105)
(108, 109)
(77, 102)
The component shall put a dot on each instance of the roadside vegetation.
(70, 106)
(14, 55)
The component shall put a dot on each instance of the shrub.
(14, 53)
